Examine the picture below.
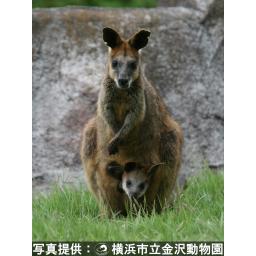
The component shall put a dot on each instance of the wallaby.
(132, 124)
(134, 178)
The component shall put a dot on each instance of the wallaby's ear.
(152, 170)
(115, 170)
(140, 39)
(111, 37)
(130, 166)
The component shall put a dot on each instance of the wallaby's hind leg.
(170, 153)
(88, 155)
(100, 184)
(89, 140)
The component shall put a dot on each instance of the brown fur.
(130, 125)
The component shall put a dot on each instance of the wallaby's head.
(123, 61)
(134, 178)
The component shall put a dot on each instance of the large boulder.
(184, 60)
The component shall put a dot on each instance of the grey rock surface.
(201, 5)
(184, 60)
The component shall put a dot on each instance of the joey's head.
(136, 179)
(124, 57)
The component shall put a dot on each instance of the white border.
(16, 127)
(240, 127)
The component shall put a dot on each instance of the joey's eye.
(132, 65)
(114, 63)
(128, 183)
(142, 186)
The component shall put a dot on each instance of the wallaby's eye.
(128, 183)
(114, 63)
(132, 65)
(142, 186)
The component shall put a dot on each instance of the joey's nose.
(133, 195)
(123, 83)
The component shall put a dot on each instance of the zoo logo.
(101, 249)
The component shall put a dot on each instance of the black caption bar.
(127, 248)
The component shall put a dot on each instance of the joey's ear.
(115, 170)
(152, 170)
(130, 166)
(140, 39)
(111, 37)
(119, 187)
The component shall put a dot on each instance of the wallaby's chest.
(120, 110)
(121, 106)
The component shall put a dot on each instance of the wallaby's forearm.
(131, 120)
(109, 116)
(133, 117)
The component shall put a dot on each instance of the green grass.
(103, 3)
(72, 214)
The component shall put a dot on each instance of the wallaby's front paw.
(115, 170)
(112, 147)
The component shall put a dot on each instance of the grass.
(105, 3)
(72, 214)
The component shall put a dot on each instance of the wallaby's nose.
(123, 83)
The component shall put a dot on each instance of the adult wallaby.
(132, 124)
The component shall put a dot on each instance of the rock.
(184, 60)
(195, 4)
